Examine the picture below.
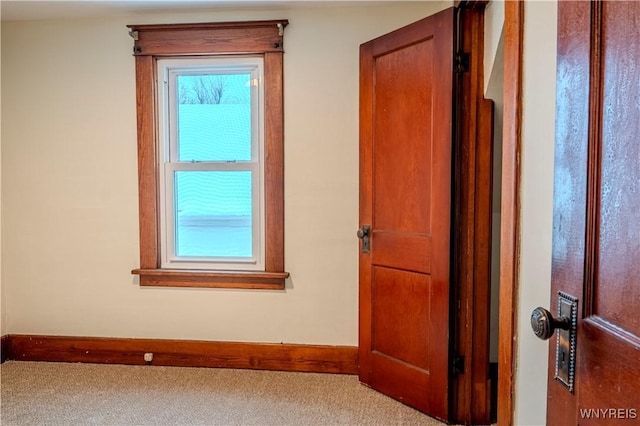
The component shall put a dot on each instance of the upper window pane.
(214, 117)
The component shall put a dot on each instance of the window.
(210, 154)
(210, 116)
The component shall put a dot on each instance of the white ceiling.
(16, 10)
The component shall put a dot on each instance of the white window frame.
(167, 72)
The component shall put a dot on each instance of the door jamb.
(471, 238)
(510, 207)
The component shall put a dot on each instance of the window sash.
(168, 71)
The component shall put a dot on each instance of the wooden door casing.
(596, 232)
(510, 206)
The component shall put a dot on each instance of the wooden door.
(596, 233)
(406, 91)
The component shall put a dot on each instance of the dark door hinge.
(457, 365)
(461, 62)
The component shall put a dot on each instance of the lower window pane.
(213, 214)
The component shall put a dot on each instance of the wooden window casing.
(152, 42)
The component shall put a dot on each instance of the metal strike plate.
(566, 341)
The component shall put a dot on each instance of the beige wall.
(539, 76)
(70, 212)
(493, 77)
(493, 27)
(69, 187)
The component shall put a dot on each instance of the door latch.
(364, 234)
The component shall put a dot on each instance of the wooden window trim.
(152, 42)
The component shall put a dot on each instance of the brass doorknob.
(544, 324)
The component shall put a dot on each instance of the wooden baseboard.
(183, 353)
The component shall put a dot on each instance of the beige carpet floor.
(38, 393)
